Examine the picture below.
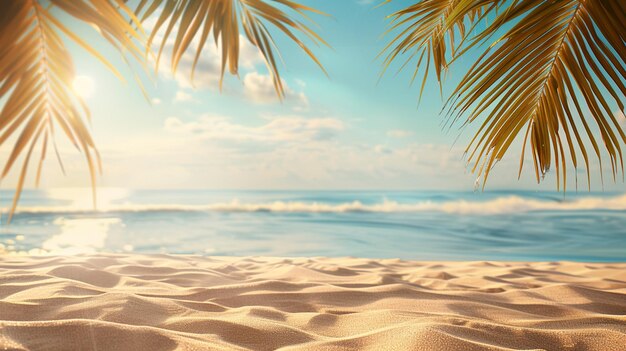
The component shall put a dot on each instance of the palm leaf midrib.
(556, 57)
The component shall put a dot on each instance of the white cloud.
(287, 152)
(208, 68)
(182, 96)
(156, 101)
(399, 133)
(278, 129)
(259, 88)
(382, 149)
(297, 152)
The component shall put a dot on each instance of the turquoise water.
(494, 225)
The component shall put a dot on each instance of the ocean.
(418, 225)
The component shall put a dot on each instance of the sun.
(84, 86)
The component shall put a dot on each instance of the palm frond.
(224, 19)
(432, 30)
(36, 74)
(555, 75)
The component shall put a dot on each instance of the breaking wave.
(501, 205)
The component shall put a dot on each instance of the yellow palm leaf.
(224, 19)
(555, 73)
(36, 72)
(432, 31)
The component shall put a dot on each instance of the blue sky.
(345, 131)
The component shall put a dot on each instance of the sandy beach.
(161, 302)
(229, 174)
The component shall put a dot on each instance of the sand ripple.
(160, 302)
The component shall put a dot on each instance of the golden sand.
(160, 302)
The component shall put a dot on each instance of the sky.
(348, 130)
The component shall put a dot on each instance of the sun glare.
(84, 86)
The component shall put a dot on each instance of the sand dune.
(159, 302)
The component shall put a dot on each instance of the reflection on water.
(84, 235)
(411, 225)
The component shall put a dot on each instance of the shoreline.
(167, 302)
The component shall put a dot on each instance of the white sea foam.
(501, 205)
